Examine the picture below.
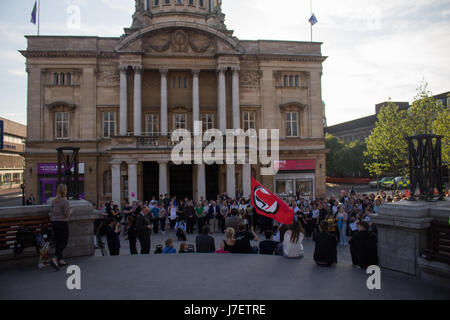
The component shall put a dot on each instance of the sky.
(376, 49)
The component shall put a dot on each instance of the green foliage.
(344, 159)
(387, 148)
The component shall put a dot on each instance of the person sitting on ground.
(234, 221)
(169, 249)
(243, 239)
(267, 246)
(229, 244)
(204, 242)
(181, 229)
(292, 243)
(112, 236)
(325, 252)
(363, 247)
(184, 248)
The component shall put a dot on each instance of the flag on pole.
(313, 20)
(33, 13)
(269, 205)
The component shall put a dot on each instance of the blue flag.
(33, 13)
(313, 20)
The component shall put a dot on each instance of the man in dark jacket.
(363, 247)
(325, 252)
(214, 216)
(204, 242)
(143, 229)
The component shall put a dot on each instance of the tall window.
(167, 1)
(207, 121)
(152, 124)
(55, 79)
(62, 125)
(249, 120)
(201, 3)
(156, 2)
(109, 124)
(179, 121)
(297, 81)
(285, 81)
(62, 78)
(191, 2)
(291, 81)
(69, 79)
(291, 124)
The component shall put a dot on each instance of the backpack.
(25, 238)
(159, 249)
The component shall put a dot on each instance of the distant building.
(11, 155)
(360, 129)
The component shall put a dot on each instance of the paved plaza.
(212, 276)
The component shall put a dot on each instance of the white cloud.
(17, 72)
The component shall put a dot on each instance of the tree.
(441, 126)
(344, 159)
(387, 148)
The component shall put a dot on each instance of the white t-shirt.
(292, 250)
(173, 213)
(315, 214)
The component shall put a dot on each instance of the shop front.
(296, 178)
(48, 180)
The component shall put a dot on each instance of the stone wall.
(81, 230)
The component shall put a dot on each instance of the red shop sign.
(297, 165)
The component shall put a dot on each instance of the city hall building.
(119, 99)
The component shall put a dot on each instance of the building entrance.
(181, 181)
(150, 182)
(212, 181)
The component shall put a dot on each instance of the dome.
(150, 12)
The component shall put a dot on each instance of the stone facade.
(118, 99)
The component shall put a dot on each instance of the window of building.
(285, 81)
(297, 81)
(156, 2)
(179, 82)
(55, 79)
(179, 121)
(201, 3)
(62, 125)
(69, 79)
(207, 121)
(285, 188)
(304, 188)
(191, 2)
(185, 83)
(179, 1)
(291, 81)
(174, 83)
(61, 78)
(109, 124)
(249, 118)
(152, 124)
(291, 124)
(167, 1)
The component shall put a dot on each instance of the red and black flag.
(269, 205)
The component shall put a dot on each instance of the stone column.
(137, 100)
(163, 177)
(222, 100)
(164, 116)
(236, 99)
(195, 97)
(116, 183)
(231, 180)
(247, 180)
(201, 181)
(132, 181)
(123, 101)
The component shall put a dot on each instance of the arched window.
(107, 185)
(291, 81)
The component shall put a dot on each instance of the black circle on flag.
(264, 201)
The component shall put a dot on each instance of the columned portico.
(116, 185)
(137, 100)
(123, 101)
(132, 181)
(164, 111)
(236, 99)
(222, 99)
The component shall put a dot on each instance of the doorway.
(181, 181)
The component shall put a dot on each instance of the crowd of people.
(335, 221)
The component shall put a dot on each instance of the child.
(169, 247)
(181, 229)
(184, 248)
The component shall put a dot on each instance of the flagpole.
(39, 16)
(311, 23)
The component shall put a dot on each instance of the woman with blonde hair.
(229, 244)
(60, 212)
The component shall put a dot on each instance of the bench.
(10, 226)
(438, 242)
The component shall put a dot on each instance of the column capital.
(132, 162)
(163, 162)
(236, 68)
(123, 67)
(115, 162)
(195, 72)
(221, 69)
(164, 72)
(138, 68)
